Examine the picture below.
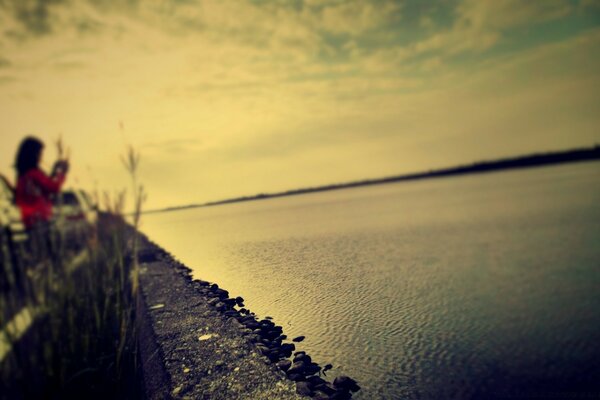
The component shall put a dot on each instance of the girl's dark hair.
(28, 155)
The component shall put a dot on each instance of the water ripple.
(420, 291)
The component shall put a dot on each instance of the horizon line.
(482, 166)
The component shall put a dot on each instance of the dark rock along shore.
(200, 343)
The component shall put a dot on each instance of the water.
(480, 286)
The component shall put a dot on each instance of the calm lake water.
(480, 286)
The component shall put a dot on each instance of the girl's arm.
(60, 167)
(49, 184)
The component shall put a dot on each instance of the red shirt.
(32, 195)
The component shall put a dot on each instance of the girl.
(35, 188)
(33, 197)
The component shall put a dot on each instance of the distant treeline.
(533, 160)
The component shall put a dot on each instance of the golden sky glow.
(228, 98)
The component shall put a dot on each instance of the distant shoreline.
(526, 161)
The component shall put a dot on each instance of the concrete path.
(193, 351)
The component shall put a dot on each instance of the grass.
(83, 339)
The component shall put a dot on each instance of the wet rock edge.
(250, 358)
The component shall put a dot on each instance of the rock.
(262, 348)
(341, 395)
(284, 365)
(318, 395)
(234, 322)
(229, 302)
(252, 325)
(298, 339)
(239, 301)
(303, 388)
(277, 330)
(303, 357)
(347, 383)
(250, 320)
(287, 348)
(214, 286)
(275, 345)
(213, 301)
(315, 381)
(296, 377)
(297, 368)
(273, 335)
(265, 327)
(312, 369)
(326, 388)
(299, 352)
(274, 355)
(253, 338)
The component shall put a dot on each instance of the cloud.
(68, 65)
(593, 5)
(4, 80)
(4, 62)
(479, 25)
(87, 25)
(334, 90)
(35, 16)
(171, 147)
(509, 98)
(499, 15)
(352, 17)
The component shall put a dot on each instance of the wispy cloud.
(7, 79)
(34, 16)
(68, 65)
(336, 89)
(172, 147)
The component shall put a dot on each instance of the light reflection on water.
(447, 288)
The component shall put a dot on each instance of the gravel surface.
(197, 352)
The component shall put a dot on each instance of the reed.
(83, 299)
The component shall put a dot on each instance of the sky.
(224, 98)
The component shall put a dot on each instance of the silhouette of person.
(33, 194)
(34, 188)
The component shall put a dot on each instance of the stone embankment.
(197, 342)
